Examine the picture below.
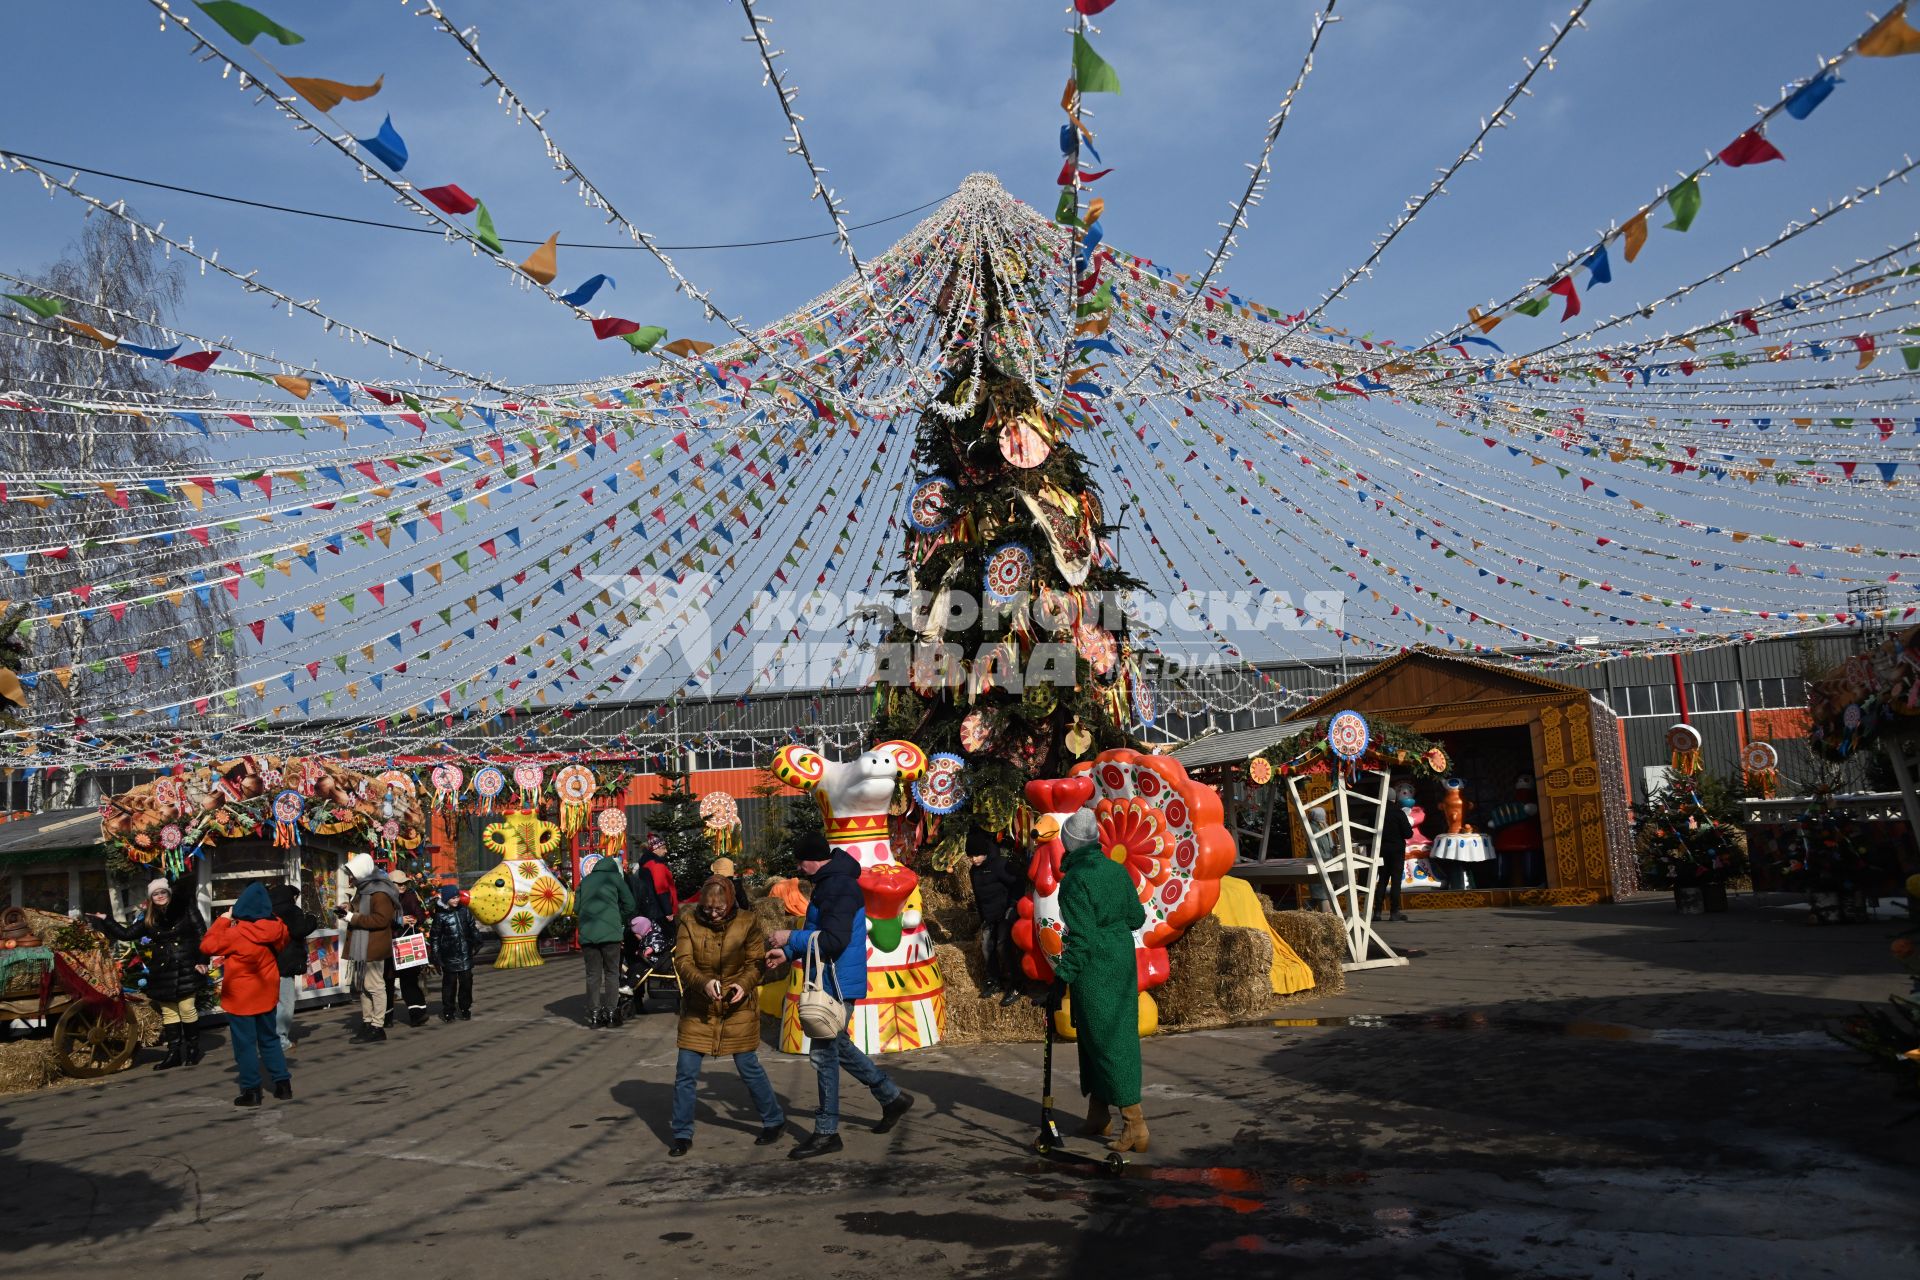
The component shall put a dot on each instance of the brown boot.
(1099, 1119)
(1133, 1137)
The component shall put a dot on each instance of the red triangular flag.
(1750, 147)
(1564, 287)
(449, 199)
(612, 327)
(199, 361)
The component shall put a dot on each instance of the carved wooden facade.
(1433, 693)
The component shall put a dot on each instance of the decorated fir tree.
(1688, 834)
(674, 816)
(795, 815)
(1021, 662)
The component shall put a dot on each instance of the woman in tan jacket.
(717, 955)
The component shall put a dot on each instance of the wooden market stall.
(1499, 726)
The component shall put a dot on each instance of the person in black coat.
(1395, 829)
(168, 932)
(292, 957)
(996, 891)
(455, 944)
(413, 918)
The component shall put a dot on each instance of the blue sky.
(662, 104)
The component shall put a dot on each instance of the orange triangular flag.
(1890, 37)
(1636, 231)
(543, 264)
(1486, 324)
(293, 386)
(325, 95)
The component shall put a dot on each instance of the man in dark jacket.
(603, 906)
(837, 921)
(292, 956)
(996, 888)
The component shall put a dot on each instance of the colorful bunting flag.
(1091, 72)
(325, 95)
(386, 146)
(244, 24)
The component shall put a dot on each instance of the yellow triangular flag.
(543, 264)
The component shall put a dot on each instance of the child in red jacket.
(250, 939)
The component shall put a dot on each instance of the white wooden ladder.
(1343, 838)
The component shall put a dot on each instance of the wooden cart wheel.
(88, 1042)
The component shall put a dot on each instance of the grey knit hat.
(1080, 830)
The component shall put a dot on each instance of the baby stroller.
(646, 955)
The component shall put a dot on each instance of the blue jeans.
(687, 1072)
(255, 1041)
(283, 1015)
(828, 1056)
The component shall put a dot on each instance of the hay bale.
(972, 1020)
(26, 1065)
(944, 891)
(1191, 994)
(1244, 986)
(1317, 938)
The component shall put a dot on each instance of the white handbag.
(822, 1016)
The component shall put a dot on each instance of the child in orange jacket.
(250, 938)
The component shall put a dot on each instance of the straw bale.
(1318, 939)
(973, 1020)
(1245, 985)
(1191, 993)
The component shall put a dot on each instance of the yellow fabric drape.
(1239, 908)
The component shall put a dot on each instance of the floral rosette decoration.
(612, 826)
(940, 790)
(527, 776)
(488, 783)
(447, 779)
(575, 785)
(930, 505)
(721, 813)
(1008, 569)
(288, 808)
(1383, 747)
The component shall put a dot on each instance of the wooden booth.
(1500, 726)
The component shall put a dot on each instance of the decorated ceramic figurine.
(521, 896)
(1419, 872)
(1163, 827)
(1460, 849)
(906, 1003)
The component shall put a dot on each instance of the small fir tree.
(1688, 834)
(675, 817)
(794, 816)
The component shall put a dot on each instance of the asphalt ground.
(1604, 1091)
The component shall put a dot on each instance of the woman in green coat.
(1101, 909)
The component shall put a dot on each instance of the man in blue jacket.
(837, 916)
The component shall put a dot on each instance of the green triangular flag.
(460, 558)
(1090, 71)
(644, 338)
(1684, 200)
(244, 24)
(1532, 306)
(483, 229)
(45, 308)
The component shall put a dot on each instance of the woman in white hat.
(168, 932)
